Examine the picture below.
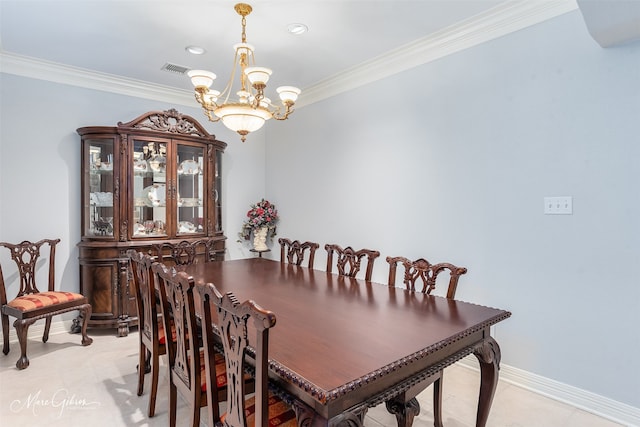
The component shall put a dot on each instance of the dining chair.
(348, 260)
(421, 276)
(187, 374)
(30, 304)
(151, 329)
(233, 321)
(294, 251)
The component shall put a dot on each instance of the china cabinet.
(152, 180)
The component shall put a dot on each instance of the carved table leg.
(404, 411)
(488, 354)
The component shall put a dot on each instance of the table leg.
(404, 411)
(488, 354)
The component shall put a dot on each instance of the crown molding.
(59, 73)
(503, 19)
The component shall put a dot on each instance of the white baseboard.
(604, 407)
(594, 403)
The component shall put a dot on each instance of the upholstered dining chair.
(187, 375)
(349, 260)
(421, 276)
(234, 320)
(294, 251)
(151, 331)
(31, 304)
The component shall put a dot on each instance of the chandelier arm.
(287, 112)
(211, 117)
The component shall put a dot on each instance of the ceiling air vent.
(173, 68)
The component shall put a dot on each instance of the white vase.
(260, 239)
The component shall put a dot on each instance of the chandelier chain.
(244, 31)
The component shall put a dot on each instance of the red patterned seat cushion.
(43, 299)
(280, 414)
(162, 338)
(221, 371)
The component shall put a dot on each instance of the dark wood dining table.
(343, 345)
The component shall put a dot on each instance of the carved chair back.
(349, 260)
(294, 251)
(177, 303)
(151, 331)
(146, 300)
(421, 276)
(233, 323)
(26, 255)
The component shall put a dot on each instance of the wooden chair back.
(151, 332)
(294, 251)
(349, 260)
(146, 300)
(421, 276)
(26, 255)
(233, 323)
(185, 374)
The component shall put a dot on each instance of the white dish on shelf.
(189, 167)
(186, 227)
(138, 229)
(190, 202)
(158, 163)
(140, 165)
(154, 195)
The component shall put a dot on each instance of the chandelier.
(250, 109)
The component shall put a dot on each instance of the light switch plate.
(562, 205)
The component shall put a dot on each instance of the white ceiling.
(133, 39)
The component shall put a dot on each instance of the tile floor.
(70, 385)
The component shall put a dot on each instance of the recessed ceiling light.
(297, 28)
(195, 50)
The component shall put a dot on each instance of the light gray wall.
(40, 164)
(451, 161)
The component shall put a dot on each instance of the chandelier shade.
(249, 109)
(242, 118)
(201, 78)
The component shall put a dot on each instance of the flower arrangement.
(262, 214)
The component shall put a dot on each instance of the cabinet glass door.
(98, 187)
(190, 186)
(150, 191)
